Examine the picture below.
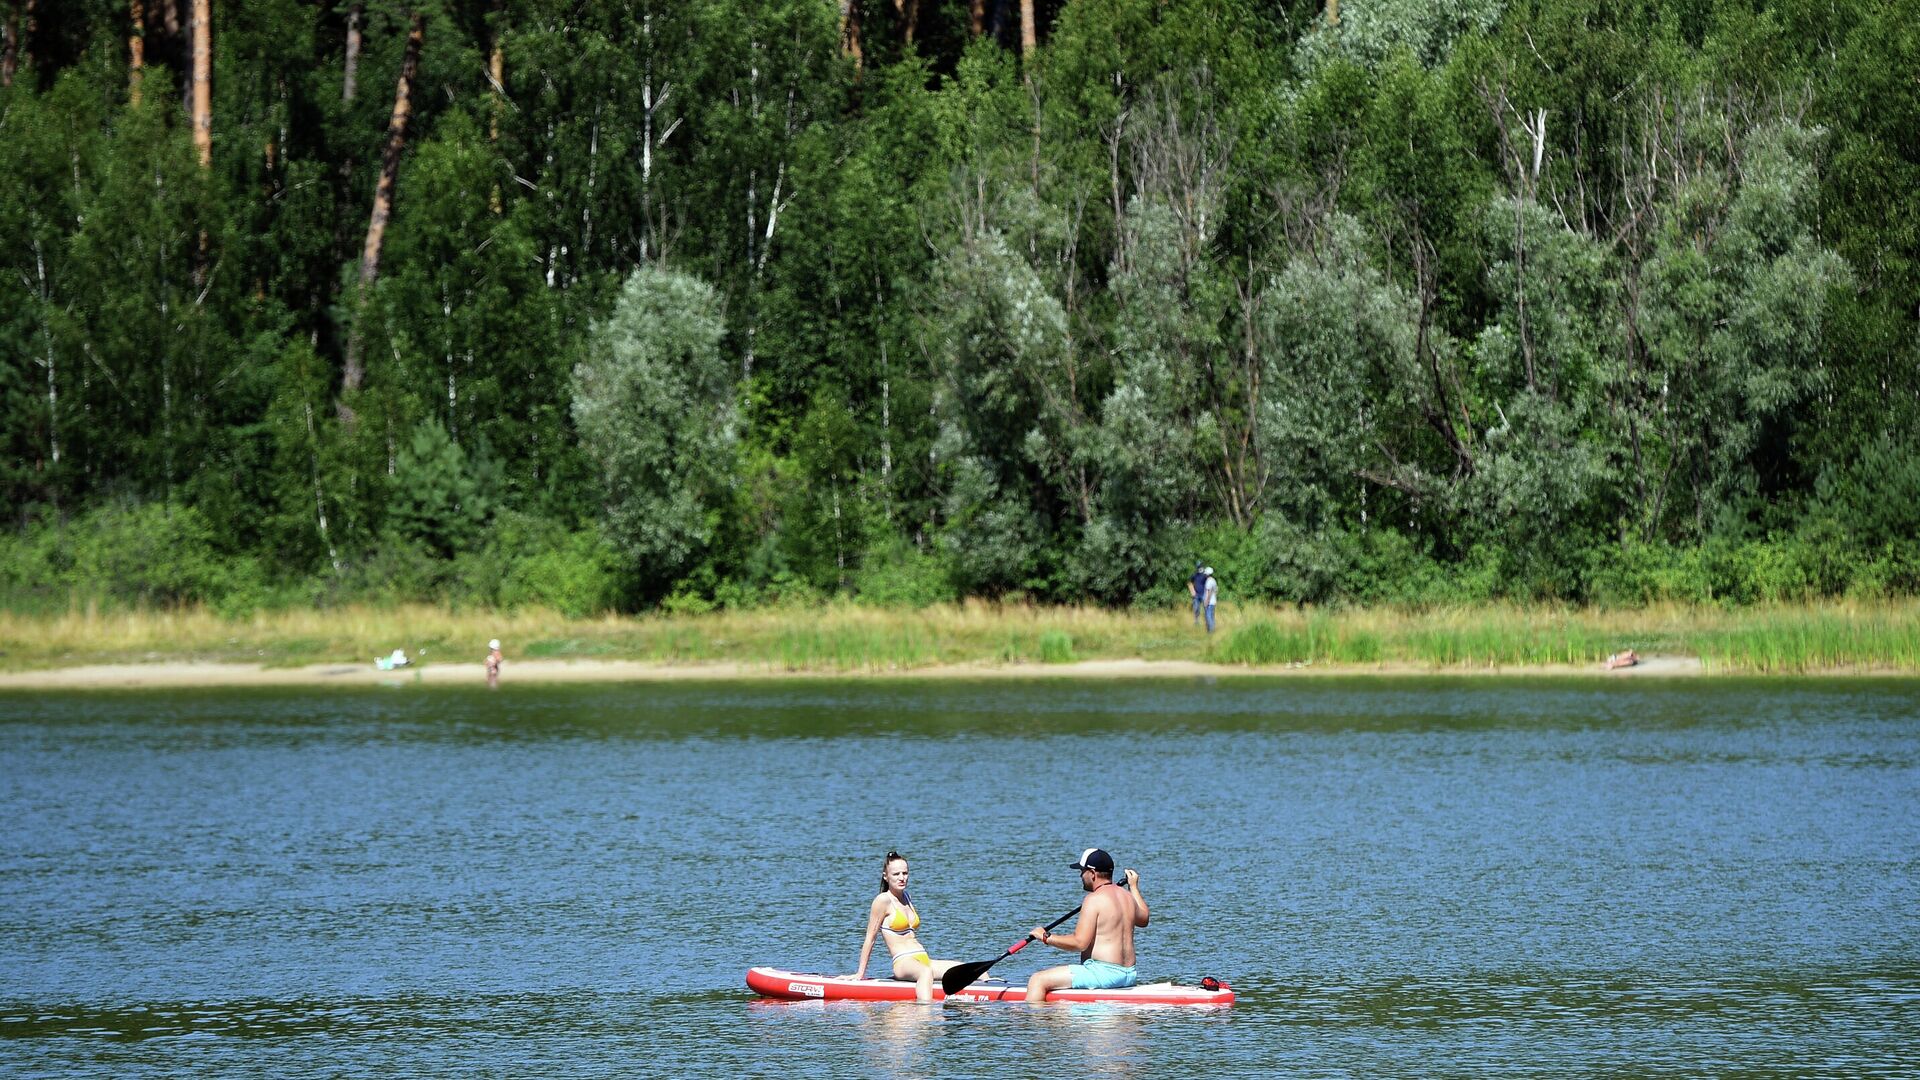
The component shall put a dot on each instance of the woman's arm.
(873, 927)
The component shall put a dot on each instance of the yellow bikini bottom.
(920, 956)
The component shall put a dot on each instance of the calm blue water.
(1398, 876)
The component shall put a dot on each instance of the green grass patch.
(1317, 639)
(852, 648)
(1056, 647)
(1264, 643)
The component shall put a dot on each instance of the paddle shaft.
(1030, 938)
(959, 978)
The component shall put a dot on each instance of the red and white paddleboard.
(801, 986)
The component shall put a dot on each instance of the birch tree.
(350, 63)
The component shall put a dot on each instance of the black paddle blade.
(959, 978)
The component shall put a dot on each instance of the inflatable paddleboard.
(802, 986)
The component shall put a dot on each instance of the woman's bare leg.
(909, 968)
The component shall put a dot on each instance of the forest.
(635, 306)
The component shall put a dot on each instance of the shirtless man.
(1103, 935)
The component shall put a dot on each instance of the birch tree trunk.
(46, 337)
(352, 68)
(760, 244)
(655, 223)
(319, 499)
(354, 373)
(593, 178)
(203, 80)
(1028, 35)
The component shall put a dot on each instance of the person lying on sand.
(1624, 658)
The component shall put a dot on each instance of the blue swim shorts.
(1100, 975)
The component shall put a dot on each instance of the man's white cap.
(494, 644)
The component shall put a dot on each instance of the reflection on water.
(912, 1039)
(1107, 1037)
(899, 1035)
(1396, 876)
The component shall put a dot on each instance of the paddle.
(959, 978)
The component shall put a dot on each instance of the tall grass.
(1788, 640)
(1775, 639)
(842, 637)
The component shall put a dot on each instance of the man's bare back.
(1110, 911)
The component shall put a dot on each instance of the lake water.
(1404, 876)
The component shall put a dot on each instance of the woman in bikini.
(892, 914)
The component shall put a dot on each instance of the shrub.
(1634, 574)
(529, 560)
(156, 553)
(1387, 566)
(394, 571)
(897, 574)
(1301, 566)
(247, 589)
(577, 577)
(33, 565)
(1242, 563)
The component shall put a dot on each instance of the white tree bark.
(351, 70)
(319, 500)
(46, 336)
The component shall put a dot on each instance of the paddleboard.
(803, 986)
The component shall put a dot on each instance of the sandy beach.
(192, 674)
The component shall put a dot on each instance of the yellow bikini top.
(901, 920)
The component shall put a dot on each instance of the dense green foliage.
(1455, 300)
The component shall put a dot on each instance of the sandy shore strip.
(192, 674)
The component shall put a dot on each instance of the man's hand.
(1133, 879)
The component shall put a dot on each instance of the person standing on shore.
(1195, 585)
(493, 662)
(1209, 595)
